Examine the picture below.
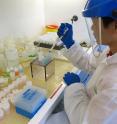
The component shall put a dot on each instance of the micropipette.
(58, 40)
(74, 19)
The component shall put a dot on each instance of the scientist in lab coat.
(97, 102)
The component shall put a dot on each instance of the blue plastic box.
(29, 101)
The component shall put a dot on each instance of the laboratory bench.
(52, 86)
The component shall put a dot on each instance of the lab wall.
(58, 11)
(21, 18)
(26, 18)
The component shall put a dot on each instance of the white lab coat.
(95, 103)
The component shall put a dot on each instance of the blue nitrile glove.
(70, 78)
(67, 38)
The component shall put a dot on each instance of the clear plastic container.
(44, 69)
(3, 62)
(3, 82)
(2, 48)
(12, 57)
(44, 58)
(1, 113)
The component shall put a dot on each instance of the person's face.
(109, 34)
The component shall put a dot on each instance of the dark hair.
(107, 21)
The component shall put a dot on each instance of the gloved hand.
(70, 78)
(67, 38)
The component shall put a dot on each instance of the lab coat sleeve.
(101, 107)
(79, 58)
(76, 101)
(80, 109)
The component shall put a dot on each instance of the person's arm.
(101, 107)
(79, 58)
(73, 51)
(76, 102)
(80, 109)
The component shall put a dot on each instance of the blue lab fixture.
(29, 101)
(84, 76)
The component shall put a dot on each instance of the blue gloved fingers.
(67, 25)
(66, 78)
(61, 29)
(70, 78)
(65, 32)
(64, 26)
(68, 73)
(75, 77)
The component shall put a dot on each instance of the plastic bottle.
(3, 62)
(5, 105)
(1, 113)
(17, 73)
(40, 56)
(12, 75)
(3, 82)
(21, 70)
(12, 57)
